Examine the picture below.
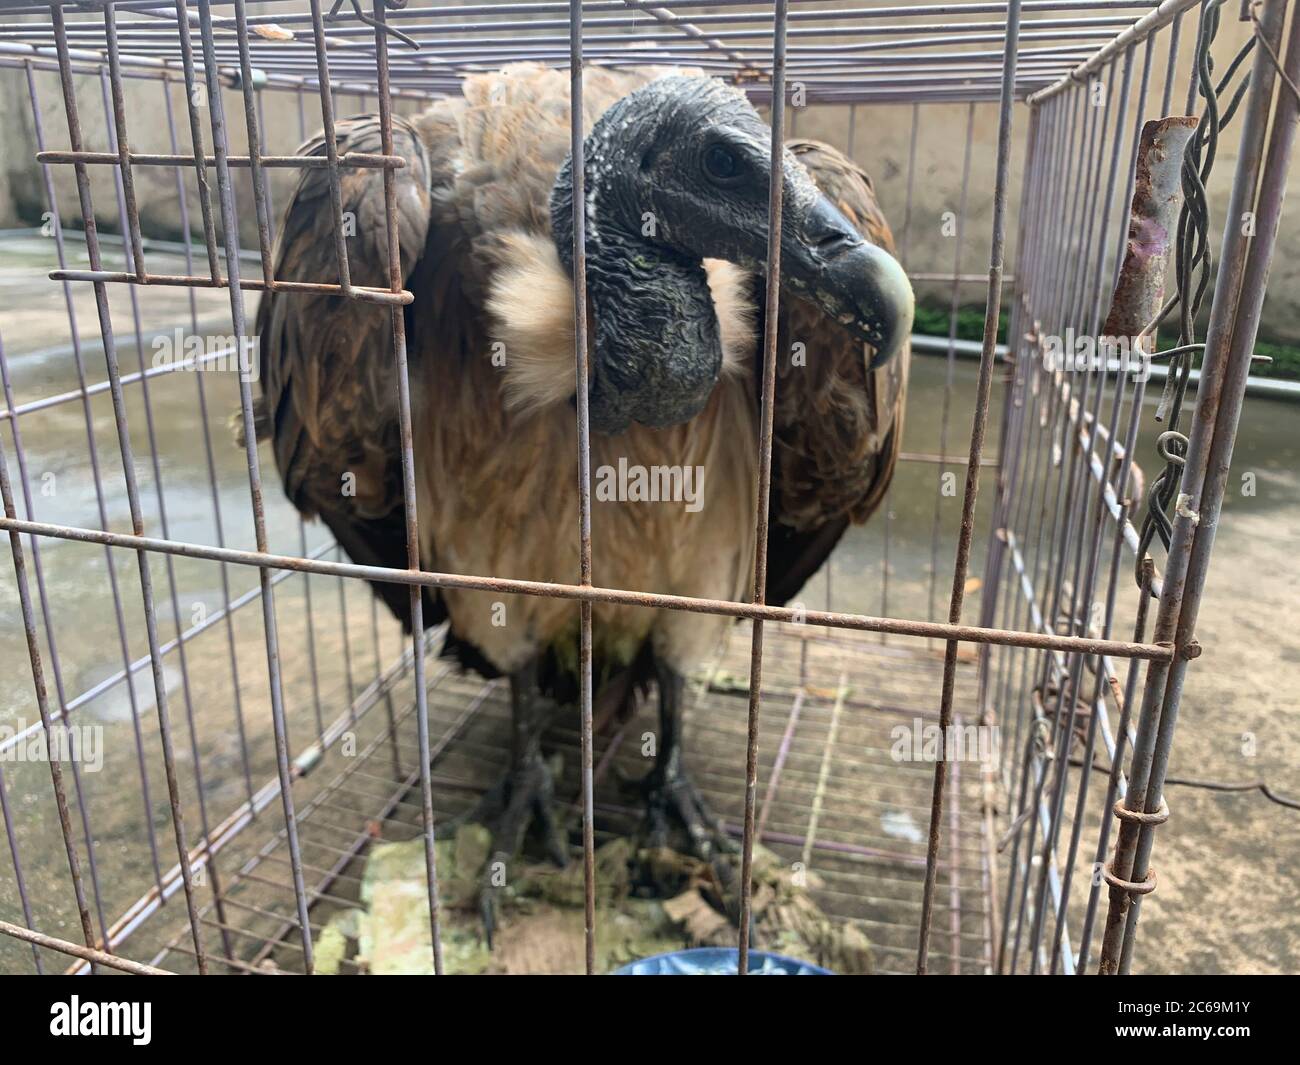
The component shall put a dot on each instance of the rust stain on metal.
(1157, 199)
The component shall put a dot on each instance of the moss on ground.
(933, 316)
(648, 902)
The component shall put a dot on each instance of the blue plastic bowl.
(719, 961)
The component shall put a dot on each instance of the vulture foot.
(524, 797)
(673, 801)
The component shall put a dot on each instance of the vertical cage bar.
(115, 120)
(261, 198)
(771, 317)
(121, 146)
(230, 231)
(390, 711)
(1011, 414)
(209, 454)
(1097, 704)
(398, 324)
(1017, 408)
(1069, 512)
(1046, 280)
(1080, 606)
(578, 167)
(196, 143)
(125, 447)
(92, 451)
(42, 704)
(906, 259)
(1234, 319)
(950, 365)
(311, 636)
(346, 631)
(20, 881)
(47, 619)
(1114, 782)
(1171, 66)
(331, 146)
(979, 423)
(1020, 404)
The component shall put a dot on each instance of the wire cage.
(1075, 651)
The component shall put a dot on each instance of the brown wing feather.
(479, 167)
(837, 427)
(328, 374)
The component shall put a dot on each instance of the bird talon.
(675, 797)
(488, 908)
(524, 797)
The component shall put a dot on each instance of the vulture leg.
(522, 797)
(671, 795)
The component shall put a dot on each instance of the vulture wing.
(837, 427)
(329, 382)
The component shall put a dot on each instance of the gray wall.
(880, 141)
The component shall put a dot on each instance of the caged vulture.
(677, 177)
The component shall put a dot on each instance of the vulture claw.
(672, 797)
(488, 912)
(523, 797)
(674, 803)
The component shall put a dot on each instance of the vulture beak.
(861, 286)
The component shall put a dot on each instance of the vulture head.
(676, 172)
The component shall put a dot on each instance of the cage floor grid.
(830, 795)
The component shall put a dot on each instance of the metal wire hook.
(371, 21)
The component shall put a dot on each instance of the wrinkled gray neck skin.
(657, 351)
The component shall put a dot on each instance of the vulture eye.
(720, 165)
